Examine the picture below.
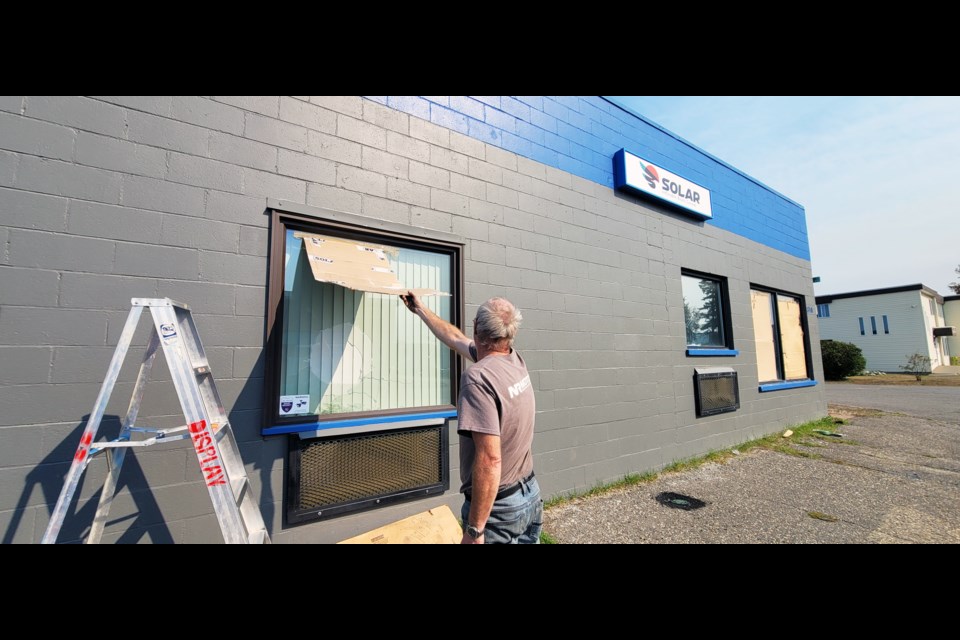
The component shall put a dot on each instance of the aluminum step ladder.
(206, 425)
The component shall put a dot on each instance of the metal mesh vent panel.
(717, 393)
(339, 471)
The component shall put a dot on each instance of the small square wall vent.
(716, 390)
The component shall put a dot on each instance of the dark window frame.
(341, 225)
(725, 316)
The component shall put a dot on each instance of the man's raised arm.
(445, 332)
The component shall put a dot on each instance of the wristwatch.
(473, 532)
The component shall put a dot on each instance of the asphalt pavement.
(892, 478)
(939, 403)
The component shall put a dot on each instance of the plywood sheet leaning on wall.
(436, 526)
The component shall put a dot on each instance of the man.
(495, 422)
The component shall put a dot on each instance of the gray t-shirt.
(496, 398)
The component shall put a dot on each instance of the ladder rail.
(80, 458)
(221, 466)
(116, 457)
(174, 332)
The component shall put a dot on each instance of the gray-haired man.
(495, 415)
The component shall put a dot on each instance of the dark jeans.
(516, 519)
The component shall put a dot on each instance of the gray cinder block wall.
(107, 198)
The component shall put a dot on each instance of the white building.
(951, 316)
(890, 325)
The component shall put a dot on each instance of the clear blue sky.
(879, 177)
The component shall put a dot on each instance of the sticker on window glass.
(294, 405)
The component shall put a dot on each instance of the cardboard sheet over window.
(356, 265)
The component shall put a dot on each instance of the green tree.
(710, 320)
(955, 285)
(691, 321)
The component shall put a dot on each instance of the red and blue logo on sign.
(650, 174)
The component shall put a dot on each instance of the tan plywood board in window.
(791, 335)
(355, 265)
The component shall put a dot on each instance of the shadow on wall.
(49, 475)
(147, 520)
(246, 417)
(147, 523)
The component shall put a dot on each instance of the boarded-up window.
(348, 343)
(763, 330)
(780, 339)
(791, 338)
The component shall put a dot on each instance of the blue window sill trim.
(795, 384)
(353, 422)
(713, 352)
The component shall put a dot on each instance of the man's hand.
(411, 301)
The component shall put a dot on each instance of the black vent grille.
(717, 390)
(333, 476)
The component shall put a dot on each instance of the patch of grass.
(692, 463)
(790, 451)
(776, 441)
(904, 379)
(831, 440)
(773, 442)
(546, 538)
(822, 516)
(841, 411)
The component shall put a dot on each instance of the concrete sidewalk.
(893, 478)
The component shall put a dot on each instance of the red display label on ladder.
(207, 453)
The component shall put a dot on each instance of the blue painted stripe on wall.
(353, 422)
(779, 386)
(579, 134)
(712, 352)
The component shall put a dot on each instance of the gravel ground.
(892, 478)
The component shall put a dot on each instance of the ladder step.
(259, 537)
(239, 486)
